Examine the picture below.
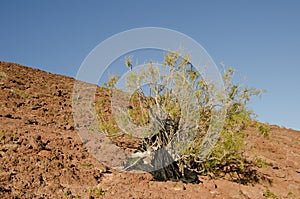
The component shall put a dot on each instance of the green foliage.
(67, 194)
(107, 123)
(109, 127)
(270, 194)
(22, 94)
(77, 196)
(96, 191)
(171, 58)
(138, 109)
(292, 195)
(183, 76)
(263, 130)
(260, 163)
(113, 79)
(230, 146)
(2, 75)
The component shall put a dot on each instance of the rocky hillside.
(41, 155)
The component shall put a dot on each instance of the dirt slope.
(41, 155)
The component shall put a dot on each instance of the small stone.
(45, 153)
(178, 187)
(70, 127)
(9, 146)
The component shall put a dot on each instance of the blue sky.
(258, 38)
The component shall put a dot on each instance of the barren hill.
(42, 156)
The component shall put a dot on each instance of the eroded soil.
(42, 156)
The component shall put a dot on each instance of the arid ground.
(42, 156)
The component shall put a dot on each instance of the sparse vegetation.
(95, 191)
(29, 163)
(67, 194)
(229, 147)
(2, 75)
(292, 195)
(270, 194)
(263, 129)
(77, 196)
(22, 94)
(260, 163)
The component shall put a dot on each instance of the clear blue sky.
(261, 39)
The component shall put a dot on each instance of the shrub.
(263, 130)
(160, 103)
(270, 194)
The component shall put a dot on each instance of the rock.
(37, 143)
(45, 153)
(9, 146)
(69, 127)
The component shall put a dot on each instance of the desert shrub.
(263, 129)
(107, 123)
(270, 194)
(22, 93)
(229, 150)
(95, 191)
(160, 103)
